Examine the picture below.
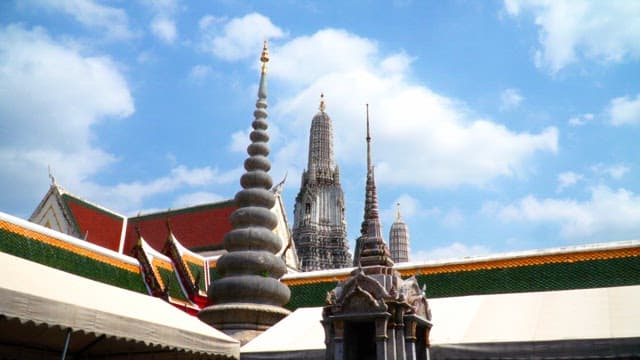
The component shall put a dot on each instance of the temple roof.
(199, 227)
(68, 213)
(57, 250)
(574, 267)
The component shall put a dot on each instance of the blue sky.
(498, 126)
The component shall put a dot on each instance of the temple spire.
(319, 226)
(374, 251)
(399, 239)
(367, 198)
(370, 185)
(248, 297)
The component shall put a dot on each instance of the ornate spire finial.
(264, 57)
(368, 142)
(322, 104)
(398, 211)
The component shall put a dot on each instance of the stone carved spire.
(319, 228)
(373, 250)
(321, 163)
(248, 298)
(368, 202)
(399, 239)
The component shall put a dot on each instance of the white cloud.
(91, 14)
(163, 24)
(196, 198)
(164, 29)
(240, 141)
(52, 95)
(510, 99)
(161, 6)
(419, 137)
(410, 208)
(311, 59)
(607, 31)
(615, 171)
(624, 110)
(580, 119)
(199, 73)
(238, 38)
(453, 218)
(607, 213)
(130, 197)
(206, 22)
(567, 179)
(454, 251)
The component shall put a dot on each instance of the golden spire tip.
(322, 104)
(264, 58)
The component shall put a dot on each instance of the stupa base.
(242, 321)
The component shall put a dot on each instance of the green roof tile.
(40, 252)
(541, 277)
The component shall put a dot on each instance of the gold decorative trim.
(526, 261)
(532, 260)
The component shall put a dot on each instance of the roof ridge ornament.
(51, 177)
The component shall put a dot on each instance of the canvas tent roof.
(600, 322)
(298, 336)
(38, 304)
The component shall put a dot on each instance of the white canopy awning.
(602, 313)
(601, 322)
(39, 304)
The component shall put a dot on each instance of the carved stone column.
(410, 338)
(391, 338)
(399, 333)
(381, 338)
(338, 340)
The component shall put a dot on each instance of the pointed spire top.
(368, 133)
(322, 104)
(264, 58)
(368, 141)
(398, 218)
(374, 250)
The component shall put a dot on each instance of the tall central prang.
(319, 228)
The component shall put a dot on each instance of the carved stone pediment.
(358, 300)
(366, 283)
(413, 295)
